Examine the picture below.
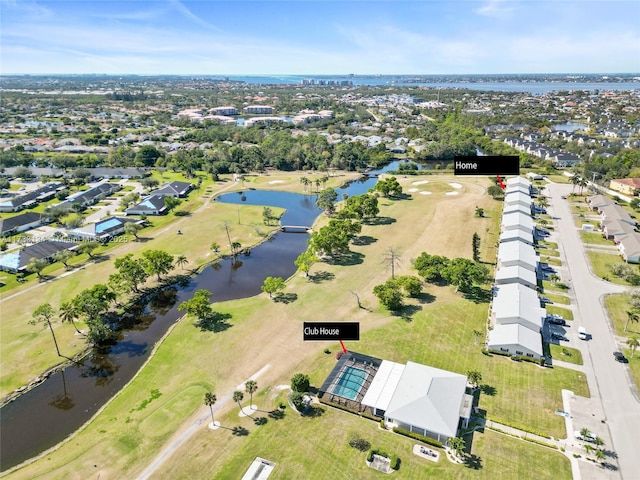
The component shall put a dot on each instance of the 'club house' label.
(487, 165)
(331, 331)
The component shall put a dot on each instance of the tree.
(63, 256)
(251, 386)
(474, 377)
(68, 313)
(236, 247)
(36, 265)
(479, 212)
(463, 273)
(588, 448)
(43, 314)
(635, 203)
(391, 258)
(554, 278)
(181, 261)
(305, 261)
(215, 246)
(267, 215)
(389, 295)
(93, 302)
(456, 444)
(171, 202)
(412, 286)
(199, 305)
(475, 245)
(300, 382)
(210, 400)
(131, 273)
(431, 267)
(131, 228)
(273, 285)
(157, 262)
(575, 181)
(88, 247)
(495, 191)
(238, 396)
(388, 187)
(633, 343)
(585, 432)
(600, 455)
(326, 200)
(632, 317)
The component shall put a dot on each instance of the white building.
(516, 274)
(517, 253)
(517, 220)
(517, 236)
(515, 303)
(515, 339)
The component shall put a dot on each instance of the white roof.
(518, 181)
(517, 251)
(516, 235)
(516, 207)
(517, 196)
(516, 190)
(383, 385)
(517, 220)
(515, 272)
(515, 334)
(428, 398)
(515, 303)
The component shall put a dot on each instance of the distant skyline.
(319, 37)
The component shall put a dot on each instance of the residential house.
(519, 182)
(517, 221)
(19, 223)
(517, 253)
(516, 340)
(516, 274)
(151, 205)
(102, 230)
(17, 260)
(124, 173)
(516, 235)
(91, 196)
(516, 303)
(174, 189)
(32, 198)
(628, 186)
(629, 247)
(258, 109)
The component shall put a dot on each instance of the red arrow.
(500, 182)
(344, 350)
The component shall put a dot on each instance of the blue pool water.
(350, 383)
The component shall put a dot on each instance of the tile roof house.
(102, 230)
(174, 189)
(151, 205)
(18, 260)
(19, 223)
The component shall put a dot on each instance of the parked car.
(582, 334)
(556, 319)
(546, 267)
(558, 336)
(544, 300)
(619, 356)
(589, 437)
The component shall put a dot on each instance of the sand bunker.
(413, 190)
(455, 185)
(424, 192)
(275, 181)
(451, 193)
(420, 182)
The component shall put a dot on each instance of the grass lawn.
(130, 431)
(595, 238)
(618, 306)
(547, 285)
(601, 263)
(634, 364)
(580, 221)
(319, 447)
(563, 312)
(555, 298)
(580, 208)
(548, 252)
(558, 178)
(566, 354)
(551, 261)
(545, 244)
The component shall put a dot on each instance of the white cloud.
(496, 8)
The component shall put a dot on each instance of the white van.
(582, 333)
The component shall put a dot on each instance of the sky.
(300, 37)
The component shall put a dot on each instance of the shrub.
(297, 400)
(359, 444)
(300, 382)
(383, 425)
(339, 354)
(416, 436)
(327, 351)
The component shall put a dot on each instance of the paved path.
(608, 380)
(202, 416)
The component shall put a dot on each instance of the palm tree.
(304, 181)
(238, 396)
(43, 314)
(632, 316)
(69, 313)
(600, 455)
(318, 182)
(554, 278)
(251, 386)
(599, 442)
(588, 448)
(210, 400)
(633, 343)
(543, 202)
(235, 248)
(575, 180)
(582, 184)
(585, 432)
(477, 335)
(475, 377)
(181, 261)
(456, 444)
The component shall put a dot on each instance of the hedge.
(416, 436)
(394, 461)
(519, 427)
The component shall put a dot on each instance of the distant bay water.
(533, 87)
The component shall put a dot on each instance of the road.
(611, 379)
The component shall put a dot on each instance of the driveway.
(608, 380)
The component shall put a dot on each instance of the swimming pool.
(349, 383)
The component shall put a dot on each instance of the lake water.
(570, 126)
(48, 413)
